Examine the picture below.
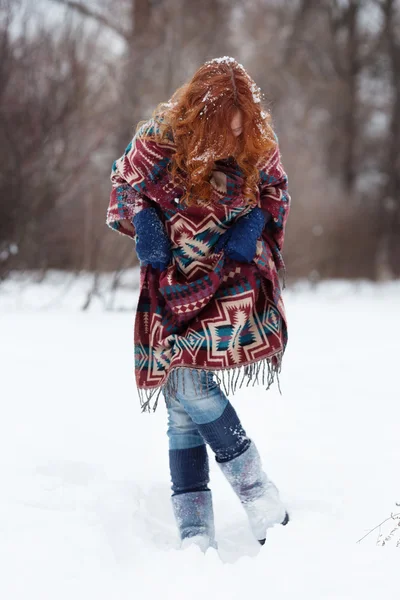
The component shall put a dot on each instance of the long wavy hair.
(199, 116)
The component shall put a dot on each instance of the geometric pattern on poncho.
(205, 311)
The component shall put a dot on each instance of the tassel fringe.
(282, 276)
(263, 372)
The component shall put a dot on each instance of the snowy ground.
(84, 503)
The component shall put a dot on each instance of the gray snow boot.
(195, 518)
(258, 495)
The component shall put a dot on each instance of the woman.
(202, 190)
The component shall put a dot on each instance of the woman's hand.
(239, 242)
(218, 180)
(152, 243)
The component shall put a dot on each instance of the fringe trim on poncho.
(263, 372)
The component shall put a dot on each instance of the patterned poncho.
(205, 311)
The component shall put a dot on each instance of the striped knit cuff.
(225, 435)
(189, 469)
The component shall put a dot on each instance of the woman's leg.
(212, 413)
(219, 425)
(188, 460)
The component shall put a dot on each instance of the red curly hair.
(200, 115)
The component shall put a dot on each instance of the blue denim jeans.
(200, 413)
(189, 407)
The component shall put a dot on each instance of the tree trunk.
(350, 115)
(392, 196)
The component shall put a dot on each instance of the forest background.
(77, 76)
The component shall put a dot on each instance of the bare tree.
(163, 42)
(388, 258)
(49, 110)
(69, 104)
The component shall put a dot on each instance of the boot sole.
(284, 522)
(286, 519)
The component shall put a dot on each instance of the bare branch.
(84, 10)
(392, 516)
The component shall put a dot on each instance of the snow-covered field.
(84, 503)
